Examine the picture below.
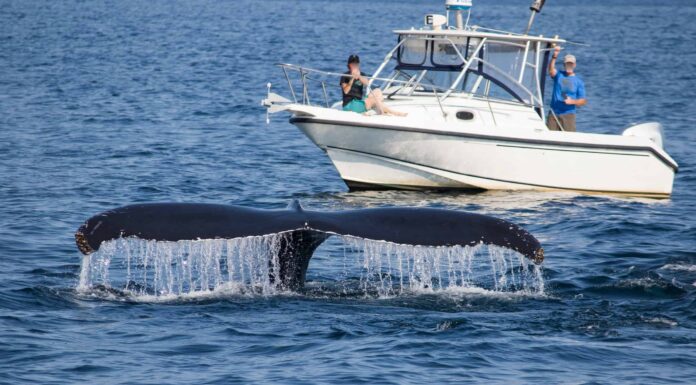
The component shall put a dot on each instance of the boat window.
(425, 79)
(496, 91)
(440, 80)
(483, 85)
(504, 61)
(445, 53)
(506, 66)
(506, 57)
(413, 51)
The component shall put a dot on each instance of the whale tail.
(303, 231)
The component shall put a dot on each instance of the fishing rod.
(536, 7)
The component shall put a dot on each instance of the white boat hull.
(383, 156)
(471, 116)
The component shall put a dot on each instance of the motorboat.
(476, 119)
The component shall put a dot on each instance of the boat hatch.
(465, 115)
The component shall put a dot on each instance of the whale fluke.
(303, 231)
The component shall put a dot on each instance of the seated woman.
(353, 83)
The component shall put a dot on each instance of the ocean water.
(109, 103)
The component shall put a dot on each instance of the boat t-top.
(476, 106)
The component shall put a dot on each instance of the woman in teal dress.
(353, 83)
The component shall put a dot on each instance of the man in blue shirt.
(568, 94)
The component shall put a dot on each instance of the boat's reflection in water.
(483, 201)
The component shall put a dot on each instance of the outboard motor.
(651, 130)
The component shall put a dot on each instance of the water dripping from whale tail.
(284, 240)
(163, 270)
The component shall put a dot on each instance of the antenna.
(459, 6)
(536, 7)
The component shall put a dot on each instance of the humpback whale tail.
(303, 231)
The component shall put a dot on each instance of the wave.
(678, 267)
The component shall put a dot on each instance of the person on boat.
(353, 83)
(568, 94)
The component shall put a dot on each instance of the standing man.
(568, 93)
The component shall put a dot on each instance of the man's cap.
(569, 59)
(353, 59)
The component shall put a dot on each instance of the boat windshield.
(485, 66)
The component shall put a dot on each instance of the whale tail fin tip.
(82, 243)
(538, 256)
(295, 205)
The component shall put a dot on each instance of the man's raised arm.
(552, 66)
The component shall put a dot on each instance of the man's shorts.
(356, 105)
(567, 121)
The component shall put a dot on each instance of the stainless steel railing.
(307, 76)
(300, 80)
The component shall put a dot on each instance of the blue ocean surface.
(107, 103)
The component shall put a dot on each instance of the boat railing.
(300, 80)
(308, 86)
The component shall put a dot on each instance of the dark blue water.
(108, 103)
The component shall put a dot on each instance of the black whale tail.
(303, 231)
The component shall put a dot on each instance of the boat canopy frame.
(473, 61)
